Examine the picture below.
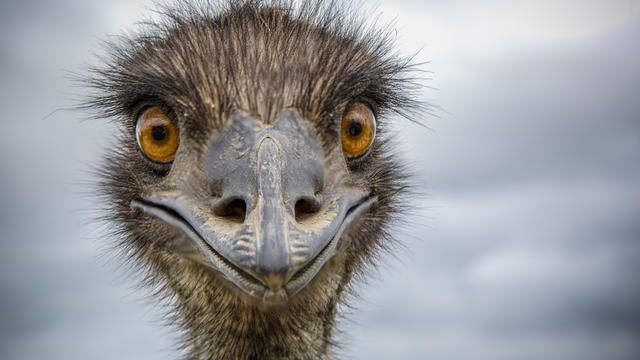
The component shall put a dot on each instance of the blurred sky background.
(529, 243)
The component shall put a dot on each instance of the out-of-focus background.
(528, 246)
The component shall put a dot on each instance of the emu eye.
(156, 134)
(357, 130)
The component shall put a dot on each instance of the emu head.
(252, 175)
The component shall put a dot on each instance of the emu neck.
(219, 325)
(266, 336)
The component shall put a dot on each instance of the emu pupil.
(355, 128)
(159, 133)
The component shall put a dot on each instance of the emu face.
(251, 168)
(260, 201)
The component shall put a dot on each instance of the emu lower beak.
(274, 222)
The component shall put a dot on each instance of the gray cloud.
(532, 240)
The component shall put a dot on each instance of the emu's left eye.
(357, 131)
(156, 134)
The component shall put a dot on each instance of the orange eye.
(156, 134)
(358, 130)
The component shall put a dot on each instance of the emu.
(252, 178)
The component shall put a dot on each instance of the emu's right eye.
(157, 136)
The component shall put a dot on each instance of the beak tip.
(275, 280)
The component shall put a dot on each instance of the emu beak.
(274, 222)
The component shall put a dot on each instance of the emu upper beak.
(273, 222)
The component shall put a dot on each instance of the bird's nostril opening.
(305, 208)
(234, 210)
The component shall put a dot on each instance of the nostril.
(233, 210)
(305, 208)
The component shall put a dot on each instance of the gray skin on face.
(266, 245)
